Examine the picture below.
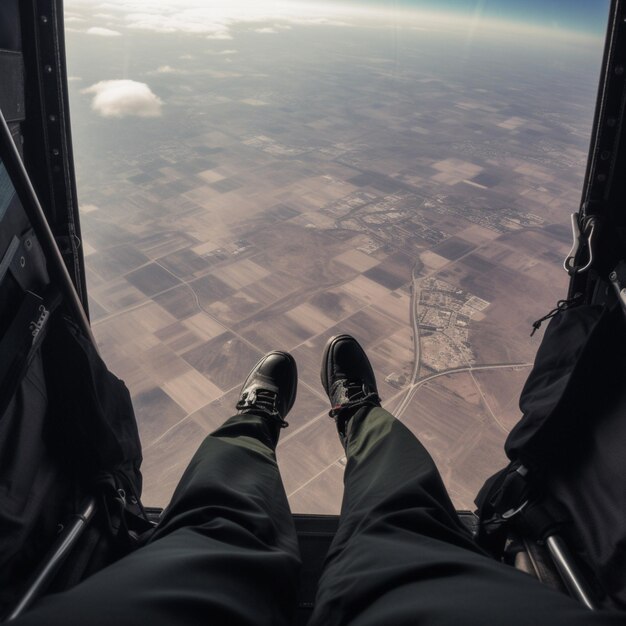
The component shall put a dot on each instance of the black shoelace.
(263, 400)
(347, 394)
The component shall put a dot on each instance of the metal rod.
(30, 203)
(566, 565)
(57, 555)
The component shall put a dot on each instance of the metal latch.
(584, 237)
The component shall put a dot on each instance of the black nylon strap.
(21, 339)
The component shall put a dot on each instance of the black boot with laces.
(270, 389)
(348, 379)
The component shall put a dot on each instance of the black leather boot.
(348, 379)
(270, 389)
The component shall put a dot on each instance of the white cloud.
(221, 53)
(167, 69)
(103, 32)
(276, 28)
(222, 34)
(73, 19)
(186, 21)
(123, 98)
(216, 19)
(219, 19)
(73, 79)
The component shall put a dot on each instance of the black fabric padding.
(589, 477)
(92, 409)
(68, 431)
(35, 491)
(16, 345)
(572, 438)
(548, 391)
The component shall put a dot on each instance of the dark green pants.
(226, 550)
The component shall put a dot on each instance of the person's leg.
(225, 551)
(401, 555)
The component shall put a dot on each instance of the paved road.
(414, 386)
(415, 298)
